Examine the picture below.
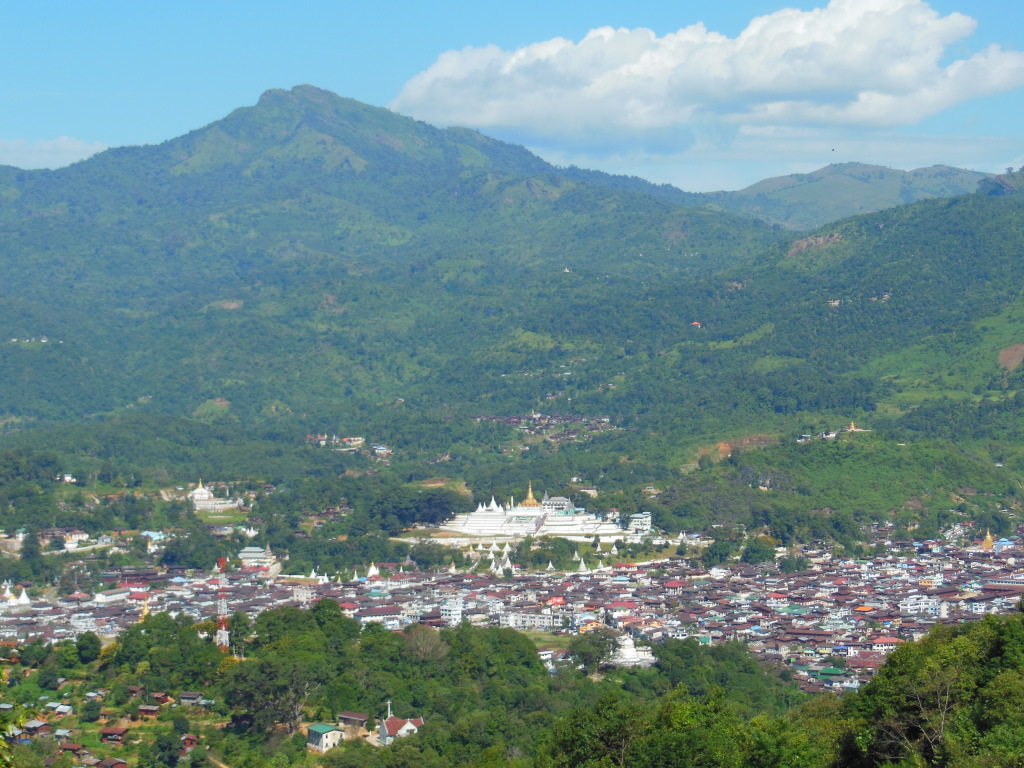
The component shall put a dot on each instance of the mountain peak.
(309, 96)
(305, 92)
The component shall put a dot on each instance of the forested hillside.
(315, 254)
(312, 264)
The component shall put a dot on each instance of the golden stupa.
(530, 501)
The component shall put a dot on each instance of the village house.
(321, 737)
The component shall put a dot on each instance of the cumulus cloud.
(866, 63)
(47, 153)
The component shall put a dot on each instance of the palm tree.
(11, 720)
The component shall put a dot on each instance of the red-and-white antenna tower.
(223, 637)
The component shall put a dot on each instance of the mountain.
(313, 264)
(310, 252)
(810, 200)
(804, 201)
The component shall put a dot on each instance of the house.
(388, 615)
(188, 743)
(392, 728)
(113, 735)
(37, 728)
(190, 698)
(353, 720)
(321, 737)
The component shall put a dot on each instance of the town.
(833, 623)
(812, 614)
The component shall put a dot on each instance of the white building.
(202, 499)
(640, 523)
(253, 558)
(553, 516)
(451, 611)
(320, 737)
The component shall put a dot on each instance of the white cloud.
(867, 63)
(47, 153)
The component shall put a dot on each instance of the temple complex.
(552, 516)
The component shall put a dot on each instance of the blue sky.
(705, 95)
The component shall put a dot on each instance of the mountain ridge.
(325, 265)
(309, 117)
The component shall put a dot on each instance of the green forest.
(312, 264)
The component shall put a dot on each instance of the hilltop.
(802, 201)
(810, 200)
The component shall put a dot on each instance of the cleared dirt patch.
(814, 243)
(1011, 357)
(720, 451)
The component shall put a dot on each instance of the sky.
(703, 94)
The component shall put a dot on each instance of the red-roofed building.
(392, 728)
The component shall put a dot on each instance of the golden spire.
(988, 543)
(530, 501)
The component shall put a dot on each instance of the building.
(392, 728)
(202, 499)
(451, 611)
(321, 737)
(640, 523)
(552, 516)
(253, 558)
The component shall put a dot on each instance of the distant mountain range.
(804, 201)
(811, 200)
(313, 263)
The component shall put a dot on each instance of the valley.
(776, 436)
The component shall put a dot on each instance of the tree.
(274, 688)
(592, 648)
(9, 721)
(89, 646)
(718, 552)
(162, 752)
(90, 711)
(239, 625)
(48, 677)
(424, 643)
(599, 737)
(758, 551)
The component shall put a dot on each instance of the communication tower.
(223, 637)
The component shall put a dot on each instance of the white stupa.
(626, 654)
